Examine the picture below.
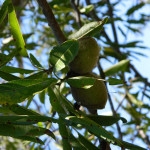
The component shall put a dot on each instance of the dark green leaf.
(113, 81)
(14, 93)
(19, 110)
(64, 134)
(31, 139)
(32, 119)
(89, 29)
(132, 146)
(94, 128)
(7, 76)
(86, 142)
(42, 96)
(76, 143)
(3, 11)
(55, 100)
(23, 130)
(106, 120)
(35, 62)
(9, 69)
(62, 55)
(135, 8)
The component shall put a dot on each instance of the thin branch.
(121, 102)
(52, 21)
(112, 22)
(77, 13)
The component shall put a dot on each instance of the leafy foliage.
(45, 73)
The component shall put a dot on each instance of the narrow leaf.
(132, 146)
(31, 139)
(20, 110)
(134, 100)
(81, 82)
(76, 143)
(113, 81)
(33, 119)
(89, 29)
(7, 76)
(15, 29)
(64, 134)
(3, 11)
(121, 66)
(94, 128)
(135, 8)
(10, 69)
(35, 62)
(87, 9)
(14, 93)
(106, 120)
(54, 100)
(62, 55)
(86, 142)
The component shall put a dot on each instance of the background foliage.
(36, 102)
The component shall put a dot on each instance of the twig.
(77, 13)
(52, 21)
(143, 135)
(121, 102)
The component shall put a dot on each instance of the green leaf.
(35, 62)
(42, 96)
(76, 143)
(64, 134)
(121, 66)
(25, 119)
(9, 69)
(89, 29)
(113, 81)
(15, 29)
(11, 93)
(19, 110)
(86, 142)
(55, 100)
(62, 55)
(134, 100)
(37, 75)
(31, 139)
(23, 130)
(28, 82)
(108, 51)
(4, 59)
(7, 76)
(87, 9)
(131, 146)
(135, 8)
(81, 82)
(93, 127)
(106, 120)
(3, 11)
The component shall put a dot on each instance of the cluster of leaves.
(23, 123)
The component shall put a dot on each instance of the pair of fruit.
(94, 97)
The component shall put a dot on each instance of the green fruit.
(87, 56)
(94, 97)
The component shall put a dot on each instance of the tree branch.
(52, 21)
(77, 13)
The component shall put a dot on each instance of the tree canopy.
(38, 41)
